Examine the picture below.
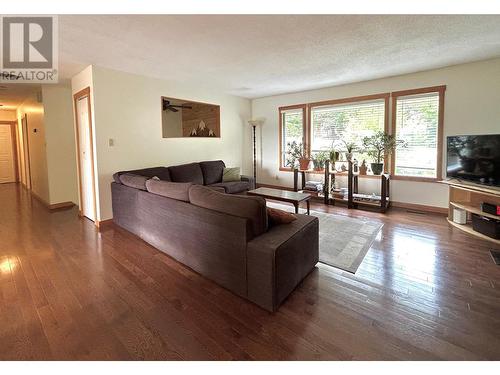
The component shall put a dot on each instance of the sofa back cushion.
(251, 208)
(133, 180)
(161, 172)
(212, 171)
(186, 173)
(174, 190)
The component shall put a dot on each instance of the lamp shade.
(255, 122)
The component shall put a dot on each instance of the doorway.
(85, 152)
(8, 152)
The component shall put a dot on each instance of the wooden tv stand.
(468, 196)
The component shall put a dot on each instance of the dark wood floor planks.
(67, 291)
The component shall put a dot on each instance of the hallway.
(68, 291)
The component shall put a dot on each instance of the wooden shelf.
(341, 173)
(474, 210)
(470, 186)
(468, 197)
(468, 229)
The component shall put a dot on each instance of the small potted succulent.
(379, 146)
(319, 160)
(295, 151)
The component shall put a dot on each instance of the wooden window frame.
(355, 99)
(303, 107)
(439, 166)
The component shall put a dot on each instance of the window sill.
(414, 178)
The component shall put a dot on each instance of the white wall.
(127, 108)
(60, 138)
(471, 107)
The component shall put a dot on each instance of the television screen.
(474, 158)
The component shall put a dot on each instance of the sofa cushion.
(251, 208)
(212, 171)
(233, 187)
(133, 180)
(186, 173)
(161, 172)
(231, 174)
(174, 190)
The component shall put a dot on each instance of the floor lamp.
(254, 124)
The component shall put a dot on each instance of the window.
(417, 120)
(334, 123)
(292, 129)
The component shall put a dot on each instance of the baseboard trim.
(420, 207)
(54, 206)
(57, 206)
(103, 224)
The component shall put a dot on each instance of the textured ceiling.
(254, 56)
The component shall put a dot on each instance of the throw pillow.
(231, 174)
(278, 217)
(133, 180)
(174, 190)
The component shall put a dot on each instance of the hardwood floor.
(424, 291)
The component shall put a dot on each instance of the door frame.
(79, 95)
(26, 151)
(13, 133)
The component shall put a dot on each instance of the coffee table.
(283, 196)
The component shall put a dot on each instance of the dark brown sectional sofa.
(208, 173)
(225, 237)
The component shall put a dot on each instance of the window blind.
(417, 119)
(351, 122)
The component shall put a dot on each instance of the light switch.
(111, 142)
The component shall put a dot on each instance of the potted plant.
(350, 147)
(319, 160)
(333, 157)
(295, 151)
(379, 146)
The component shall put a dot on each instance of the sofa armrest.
(278, 260)
(250, 180)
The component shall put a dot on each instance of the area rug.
(343, 241)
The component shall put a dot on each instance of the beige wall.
(37, 145)
(60, 137)
(471, 107)
(127, 109)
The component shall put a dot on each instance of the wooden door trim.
(27, 161)
(80, 95)
(14, 146)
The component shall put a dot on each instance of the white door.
(85, 149)
(7, 167)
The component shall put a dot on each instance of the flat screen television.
(474, 158)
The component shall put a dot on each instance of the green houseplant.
(319, 160)
(379, 146)
(295, 151)
(350, 147)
